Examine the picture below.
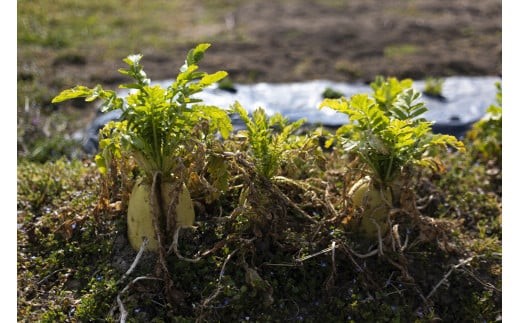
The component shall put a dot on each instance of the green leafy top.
(486, 134)
(387, 90)
(387, 133)
(268, 145)
(156, 123)
(495, 111)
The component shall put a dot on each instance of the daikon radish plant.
(486, 134)
(268, 147)
(385, 130)
(272, 144)
(156, 129)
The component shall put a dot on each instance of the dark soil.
(337, 40)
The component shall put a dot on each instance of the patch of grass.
(43, 135)
(115, 29)
(76, 24)
(347, 67)
(433, 86)
(400, 50)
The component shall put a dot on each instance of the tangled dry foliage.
(263, 249)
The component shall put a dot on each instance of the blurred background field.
(65, 43)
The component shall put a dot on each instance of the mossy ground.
(266, 262)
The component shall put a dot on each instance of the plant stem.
(156, 148)
(389, 169)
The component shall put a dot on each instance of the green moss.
(93, 304)
(63, 241)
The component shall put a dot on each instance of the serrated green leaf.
(196, 75)
(185, 76)
(416, 95)
(340, 105)
(219, 119)
(74, 93)
(418, 111)
(130, 86)
(329, 142)
(404, 142)
(96, 92)
(157, 124)
(212, 78)
(101, 164)
(196, 54)
(124, 71)
(345, 130)
(400, 114)
(443, 140)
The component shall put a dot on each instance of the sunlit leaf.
(101, 164)
(196, 54)
(212, 78)
(74, 93)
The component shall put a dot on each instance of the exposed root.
(200, 255)
(298, 184)
(172, 295)
(173, 247)
(480, 281)
(122, 310)
(379, 238)
(333, 272)
(247, 169)
(383, 268)
(397, 246)
(350, 253)
(445, 277)
(205, 303)
(136, 260)
(331, 248)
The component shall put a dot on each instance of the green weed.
(433, 86)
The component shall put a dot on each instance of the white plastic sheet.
(466, 101)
